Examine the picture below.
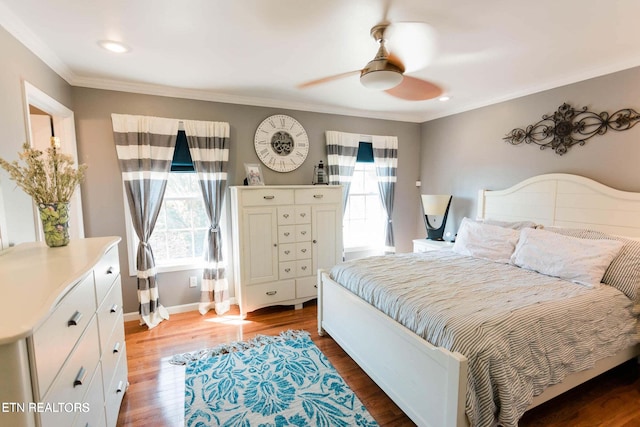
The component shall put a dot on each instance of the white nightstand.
(425, 245)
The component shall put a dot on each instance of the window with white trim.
(178, 237)
(364, 217)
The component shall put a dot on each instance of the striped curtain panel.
(385, 159)
(145, 148)
(342, 151)
(208, 145)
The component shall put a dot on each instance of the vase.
(55, 223)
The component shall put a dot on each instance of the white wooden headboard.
(565, 200)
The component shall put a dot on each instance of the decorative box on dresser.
(281, 236)
(62, 348)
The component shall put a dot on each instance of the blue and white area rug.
(268, 382)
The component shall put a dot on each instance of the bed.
(431, 383)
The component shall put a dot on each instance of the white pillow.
(485, 241)
(581, 261)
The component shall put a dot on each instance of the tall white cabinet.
(282, 235)
(62, 345)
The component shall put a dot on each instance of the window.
(364, 217)
(178, 237)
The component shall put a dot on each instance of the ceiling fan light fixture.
(381, 73)
(380, 79)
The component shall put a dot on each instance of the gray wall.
(102, 193)
(464, 153)
(459, 154)
(19, 65)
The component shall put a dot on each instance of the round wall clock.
(281, 143)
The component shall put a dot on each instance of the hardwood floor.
(156, 393)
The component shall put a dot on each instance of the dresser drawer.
(303, 250)
(115, 391)
(286, 215)
(105, 272)
(288, 270)
(89, 412)
(54, 339)
(110, 313)
(303, 268)
(287, 252)
(287, 234)
(115, 350)
(270, 293)
(303, 232)
(318, 195)
(267, 197)
(303, 214)
(92, 414)
(306, 287)
(72, 384)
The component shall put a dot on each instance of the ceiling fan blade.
(327, 79)
(413, 42)
(413, 89)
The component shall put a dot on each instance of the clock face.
(281, 143)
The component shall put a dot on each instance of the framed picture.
(254, 174)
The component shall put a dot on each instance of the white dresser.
(281, 236)
(62, 348)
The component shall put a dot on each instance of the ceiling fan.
(386, 71)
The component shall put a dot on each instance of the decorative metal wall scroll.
(568, 127)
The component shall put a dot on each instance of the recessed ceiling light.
(113, 46)
(444, 98)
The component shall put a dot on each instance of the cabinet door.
(259, 245)
(326, 231)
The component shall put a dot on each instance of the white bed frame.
(429, 383)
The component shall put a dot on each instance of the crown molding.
(565, 80)
(14, 26)
(204, 95)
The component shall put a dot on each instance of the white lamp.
(435, 208)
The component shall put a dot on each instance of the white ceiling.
(256, 51)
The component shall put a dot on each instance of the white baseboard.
(172, 310)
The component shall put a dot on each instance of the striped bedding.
(520, 331)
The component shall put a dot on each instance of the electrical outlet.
(193, 281)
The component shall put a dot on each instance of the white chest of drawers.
(62, 348)
(281, 236)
